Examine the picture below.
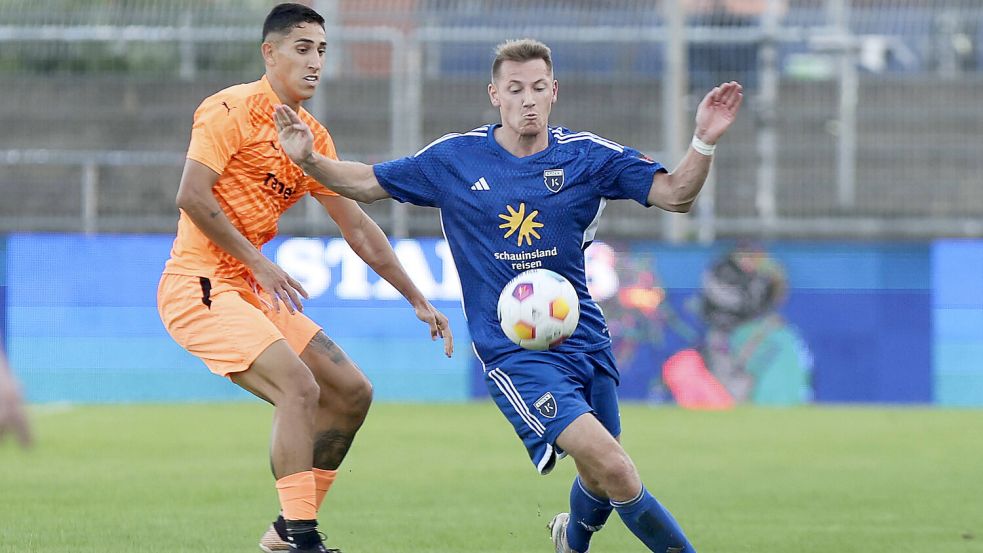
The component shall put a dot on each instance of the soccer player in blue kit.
(520, 195)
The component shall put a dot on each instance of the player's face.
(524, 93)
(293, 61)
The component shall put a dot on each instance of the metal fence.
(862, 116)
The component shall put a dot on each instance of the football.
(538, 309)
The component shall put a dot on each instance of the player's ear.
(493, 95)
(267, 49)
(556, 88)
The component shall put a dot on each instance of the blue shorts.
(542, 392)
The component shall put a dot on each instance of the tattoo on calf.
(330, 448)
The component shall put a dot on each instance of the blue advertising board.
(853, 322)
(957, 307)
(83, 320)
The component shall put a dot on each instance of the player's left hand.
(296, 137)
(439, 326)
(717, 111)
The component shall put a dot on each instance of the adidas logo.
(480, 184)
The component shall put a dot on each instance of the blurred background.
(836, 254)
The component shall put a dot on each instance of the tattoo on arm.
(324, 345)
(214, 214)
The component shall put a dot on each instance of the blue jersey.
(502, 215)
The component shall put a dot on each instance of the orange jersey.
(235, 136)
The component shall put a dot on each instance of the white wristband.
(702, 147)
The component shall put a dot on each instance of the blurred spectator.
(12, 417)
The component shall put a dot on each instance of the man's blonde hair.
(521, 50)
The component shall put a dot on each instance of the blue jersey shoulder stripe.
(569, 137)
(480, 131)
(560, 135)
(594, 139)
(560, 132)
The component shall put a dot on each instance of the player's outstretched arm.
(350, 179)
(677, 191)
(370, 243)
(195, 198)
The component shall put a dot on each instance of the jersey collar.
(508, 155)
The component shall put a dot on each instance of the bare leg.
(280, 377)
(607, 470)
(603, 465)
(345, 397)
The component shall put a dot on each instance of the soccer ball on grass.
(538, 309)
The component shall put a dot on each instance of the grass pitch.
(454, 478)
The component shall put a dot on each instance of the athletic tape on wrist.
(702, 147)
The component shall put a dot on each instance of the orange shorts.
(224, 322)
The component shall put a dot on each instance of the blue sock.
(587, 515)
(652, 524)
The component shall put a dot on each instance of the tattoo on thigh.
(330, 448)
(324, 345)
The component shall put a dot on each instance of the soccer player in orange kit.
(225, 302)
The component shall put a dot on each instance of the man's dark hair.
(284, 17)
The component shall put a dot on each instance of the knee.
(353, 400)
(617, 475)
(304, 394)
(592, 483)
(361, 396)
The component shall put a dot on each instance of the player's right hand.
(296, 137)
(280, 286)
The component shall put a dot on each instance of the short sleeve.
(220, 128)
(627, 175)
(405, 179)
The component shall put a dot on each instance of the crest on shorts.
(546, 405)
(553, 179)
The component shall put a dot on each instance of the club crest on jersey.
(546, 405)
(553, 179)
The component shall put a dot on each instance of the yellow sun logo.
(518, 221)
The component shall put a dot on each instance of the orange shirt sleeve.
(221, 127)
(324, 146)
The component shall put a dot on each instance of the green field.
(453, 478)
